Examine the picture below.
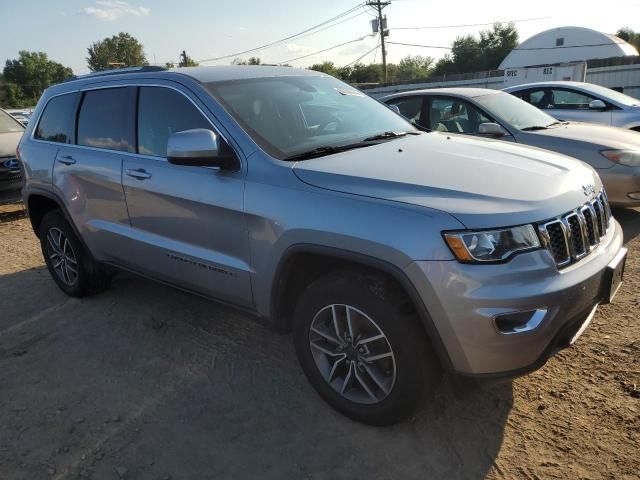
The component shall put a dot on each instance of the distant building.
(566, 45)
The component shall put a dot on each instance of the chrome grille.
(573, 235)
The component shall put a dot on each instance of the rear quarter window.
(105, 119)
(56, 121)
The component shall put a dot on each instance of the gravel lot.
(147, 382)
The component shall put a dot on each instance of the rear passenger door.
(87, 171)
(188, 222)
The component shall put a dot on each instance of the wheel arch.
(40, 202)
(302, 263)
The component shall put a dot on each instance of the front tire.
(362, 347)
(68, 262)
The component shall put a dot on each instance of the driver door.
(188, 222)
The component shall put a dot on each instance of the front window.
(290, 115)
(513, 111)
(449, 114)
(8, 124)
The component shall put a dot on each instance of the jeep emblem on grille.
(589, 189)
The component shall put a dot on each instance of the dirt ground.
(147, 382)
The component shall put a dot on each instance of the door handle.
(139, 173)
(67, 160)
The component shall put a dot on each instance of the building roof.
(566, 45)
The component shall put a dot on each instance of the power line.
(469, 24)
(324, 50)
(417, 45)
(333, 25)
(290, 37)
(362, 56)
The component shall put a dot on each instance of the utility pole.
(381, 28)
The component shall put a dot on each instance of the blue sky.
(211, 28)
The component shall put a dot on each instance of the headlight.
(491, 245)
(631, 158)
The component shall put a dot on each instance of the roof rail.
(117, 71)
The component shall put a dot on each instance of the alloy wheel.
(62, 257)
(352, 353)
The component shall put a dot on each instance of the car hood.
(607, 137)
(8, 143)
(483, 183)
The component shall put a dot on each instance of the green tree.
(495, 44)
(630, 36)
(187, 61)
(251, 61)
(471, 54)
(121, 50)
(411, 68)
(25, 78)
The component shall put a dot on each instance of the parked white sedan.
(581, 102)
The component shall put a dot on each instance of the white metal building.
(566, 45)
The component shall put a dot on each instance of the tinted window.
(410, 107)
(456, 116)
(104, 120)
(56, 122)
(161, 112)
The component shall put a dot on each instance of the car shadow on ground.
(629, 219)
(161, 383)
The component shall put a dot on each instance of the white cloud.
(110, 10)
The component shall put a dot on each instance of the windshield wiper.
(389, 136)
(559, 122)
(329, 150)
(534, 127)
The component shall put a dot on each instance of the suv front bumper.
(463, 302)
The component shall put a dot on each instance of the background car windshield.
(513, 111)
(610, 94)
(8, 124)
(291, 115)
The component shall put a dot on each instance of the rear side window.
(410, 107)
(56, 122)
(162, 112)
(104, 120)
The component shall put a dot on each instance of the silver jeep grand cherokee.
(392, 253)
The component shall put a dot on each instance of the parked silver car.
(582, 102)
(10, 177)
(613, 152)
(391, 253)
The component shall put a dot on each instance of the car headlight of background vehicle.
(631, 158)
(491, 245)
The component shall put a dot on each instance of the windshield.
(612, 95)
(513, 111)
(8, 124)
(291, 115)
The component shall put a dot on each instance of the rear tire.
(71, 266)
(360, 344)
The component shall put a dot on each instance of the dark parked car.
(10, 176)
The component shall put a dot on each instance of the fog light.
(519, 322)
(634, 195)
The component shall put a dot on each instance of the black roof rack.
(117, 71)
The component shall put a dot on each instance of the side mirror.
(597, 105)
(198, 148)
(491, 129)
